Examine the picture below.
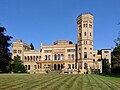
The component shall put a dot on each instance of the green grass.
(58, 82)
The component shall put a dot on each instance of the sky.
(46, 21)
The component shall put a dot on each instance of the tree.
(5, 58)
(105, 66)
(116, 57)
(32, 47)
(116, 60)
(17, 65)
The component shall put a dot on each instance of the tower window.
(80, 55)
(84, 25)
(90, 33)
(85, 48)
(85, 33)
(80, 34)
(85, 54)
(90, 26)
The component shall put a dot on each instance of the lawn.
(58, 82)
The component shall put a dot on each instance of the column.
(83, 66)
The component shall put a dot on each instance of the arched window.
(62, 57)
(84, 33)
(45, 57)
(68, 56)
(48, 57)
(28, 58)
(55, 57)
(31, 58)
(58, 56)
(37, 58)
(85, 54)
(72, 56)
(25, 58)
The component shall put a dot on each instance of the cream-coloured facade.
(63, 55)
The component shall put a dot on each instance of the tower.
(85, 41)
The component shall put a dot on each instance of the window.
(25, 58)
(80, 34)
(90, 52)
(38, 66)
(70, 50)
(106, 51)
(86, 25)
(45, 57)
(62, 57)
(80, 55)
(31, 58)
(58, 56)
(84, 42)
(69, 66)
(48, 57)
(90, 48)
(84, 33)
(47, 51)
(90, 42)
(68, 56)
(79, 48)
(55, 57)
(85, 48)
(93, 55)
(93, 60)
(19, 51)
(14, 51)
(85, 54)
(85, 66)
(28, 58)
(72, 56)
(72, 66)
(37, 58)
(90, 33)
(35, 66)
(28, 67)
(90, 26)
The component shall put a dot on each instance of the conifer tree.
(5, 54)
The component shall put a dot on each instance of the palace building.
(64, 55)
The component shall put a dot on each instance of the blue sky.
(46, 21)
